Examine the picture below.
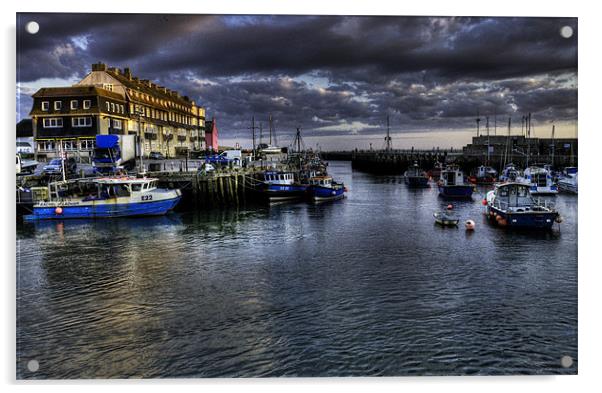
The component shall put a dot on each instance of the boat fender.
(58, 210)
(502, 222)
(470, 225)
(450, 206)
(484, 202)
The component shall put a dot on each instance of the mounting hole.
(566, 361)
(32, 27)
(566, 31)
(33, 366)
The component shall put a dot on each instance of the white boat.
(105, 197)
(510, 173)
(568, 181)
(539, 181)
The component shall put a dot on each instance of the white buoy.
(470, 225)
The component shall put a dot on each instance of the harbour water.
(365, 286)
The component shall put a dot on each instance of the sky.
(335, 77)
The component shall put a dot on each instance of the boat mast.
(528, 131)
(260, 133)
(253, 130)
(478, 121)
(487, 126)
(388, 137)
(508, 141)
(270, 125)
(553, 144)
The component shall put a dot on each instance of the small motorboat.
(568, 181)
(446, 218)
(483, 175)
(323, 188)
(416, 177)
(512, 205)
(510, 173)
(105, 197)
(452, 185)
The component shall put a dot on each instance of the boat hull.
(320, 194)
(93, 209)
(547, 190)
(282, 192)
(417, 181)
(567, 187)
(524, 220)
(456, 191)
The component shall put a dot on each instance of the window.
(58, 105)
(108, 106)
(112, 107)
(87, 104)
(46, 146)
(86, 144)
(108, 86)
(45, 105)
(117, 124)
(74, 104)
(81, 121)
(69, 145)
(53, 122)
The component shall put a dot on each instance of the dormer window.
(74, 104)
(45, 105)
(108, 86)
(87, 104)
(58, 105)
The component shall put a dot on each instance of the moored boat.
(483, 175)
(510, 173)
(512, 205)
(568, 181)
(105, 197)
(539, 181)
(323, 188)
(446, 218)
(280, 186)
(452, 184)
(416, 176)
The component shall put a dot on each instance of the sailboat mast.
(553, 144)
(528, 130)
(487, 126)
(478, 122)
(270, 121)
(388, 138)
(253, 128)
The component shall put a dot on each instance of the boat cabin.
(513, 197)
(283, 178)
(102, 188)
(324, 181)
(452, 176)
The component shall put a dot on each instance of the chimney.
(128, 73)
(99, 66)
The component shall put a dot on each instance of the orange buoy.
(58, 210)
(450, 206)
(470, 225)
(484, 202)
(502, 222)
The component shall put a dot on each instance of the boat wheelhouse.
(416, 176)
(509, 174)
(105, 198)
(277, 186)
(512, 205)
(452, 184)
(539, 180)
(323, 188)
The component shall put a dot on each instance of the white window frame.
(87, 144)
(48, 122)
(45, 106)
(58, 105)
(81, 122)
(87, 104)
(72, 106)
(117, 124)
(108, 106)
(46, 146)
(112, 107)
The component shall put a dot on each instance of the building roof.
(72, 91)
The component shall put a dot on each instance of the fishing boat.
(416, 177)
(512, 205)
(105, 197)
(568, 180)
(323, 188)
(483, 175)
(452, 184)
(435, 172)
(446, 218)
(539, 181)
(279, 186)
(510, 173)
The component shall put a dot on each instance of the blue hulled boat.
(323, 188)
(512, 205)
(452, 184)
(105, 198)
(278, 186)
(416, 177)
(539, 180)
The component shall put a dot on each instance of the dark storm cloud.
(427, 72)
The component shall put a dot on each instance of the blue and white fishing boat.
(416, 176)
(105, 197)
(568, 180)
(280, 186)
(509, 174)
(323, 188)
(512, 205)
(539, 181)
(452, 184)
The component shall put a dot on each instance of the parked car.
(24, 147)
(155, 155)
(55, 166)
